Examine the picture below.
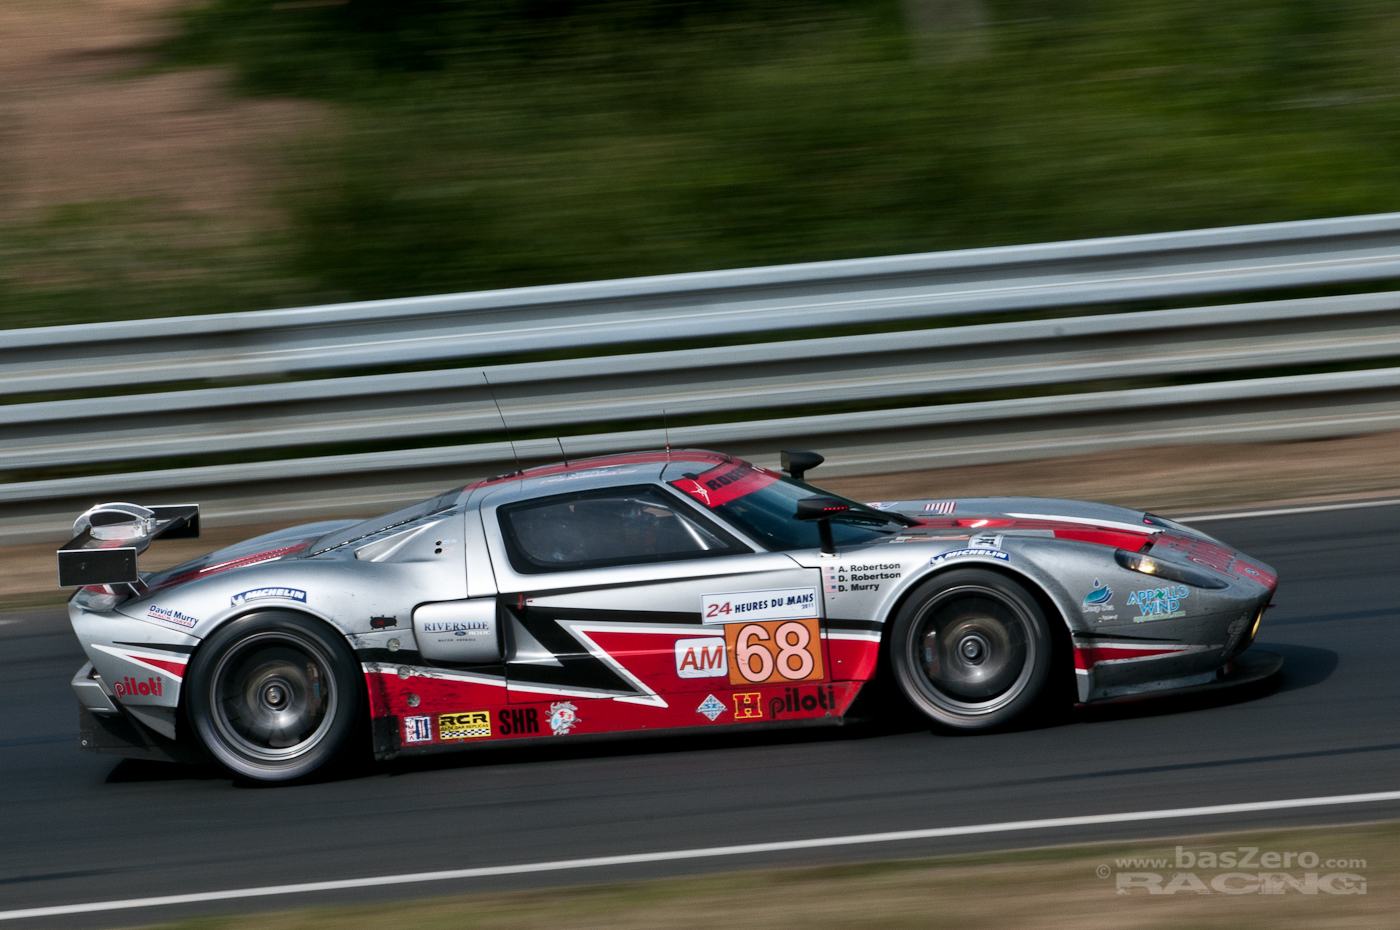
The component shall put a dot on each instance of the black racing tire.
(970, 649)
(274, 696)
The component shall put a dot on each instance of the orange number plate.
(774, 651)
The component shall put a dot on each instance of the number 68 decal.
(773, 650)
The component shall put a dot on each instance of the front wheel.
(273, 696)
(970, 649)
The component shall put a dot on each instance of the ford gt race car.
(651, 593)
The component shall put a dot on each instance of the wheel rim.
(972, 649)
(273, 697)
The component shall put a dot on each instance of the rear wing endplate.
(109, 537)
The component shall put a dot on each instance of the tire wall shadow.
(1303, 666)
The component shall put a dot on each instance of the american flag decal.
(942, 508)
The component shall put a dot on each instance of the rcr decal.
(787, 603)
(703, 657)
(471, 724)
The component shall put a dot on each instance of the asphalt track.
(80, 828)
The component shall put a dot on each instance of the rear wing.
(108, 538)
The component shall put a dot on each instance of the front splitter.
(1247, 668)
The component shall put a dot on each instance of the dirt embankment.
(83, 126)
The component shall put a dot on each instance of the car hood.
(1081, 521)
(968, 509)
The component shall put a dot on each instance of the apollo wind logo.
(1242, 870)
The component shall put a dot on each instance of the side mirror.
(822, 509)
(798, 464)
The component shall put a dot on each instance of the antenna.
(515, 455)
(561, 451)
(667, 429)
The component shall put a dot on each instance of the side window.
(613, 526)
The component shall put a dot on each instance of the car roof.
(601, 471)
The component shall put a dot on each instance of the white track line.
(1281, 511)
(712, 852)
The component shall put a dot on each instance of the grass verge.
(1051, 887)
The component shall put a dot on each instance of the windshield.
(762, 504)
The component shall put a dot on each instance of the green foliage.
(132, 258)
(490, 143)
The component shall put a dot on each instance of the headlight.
(1137, 562)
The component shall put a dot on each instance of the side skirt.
(386, 730)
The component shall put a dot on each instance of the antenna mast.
(515, 455)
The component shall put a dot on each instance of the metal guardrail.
(765, 390)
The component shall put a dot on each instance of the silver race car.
(647, 593)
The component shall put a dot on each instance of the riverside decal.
(289, 594)
(1159, 603)
(457, 627)
(784, 604)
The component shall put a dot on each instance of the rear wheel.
(273, 696)
(970, 649)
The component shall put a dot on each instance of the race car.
(651, 593)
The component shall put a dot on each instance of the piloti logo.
(794, 700)
(130, 686)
